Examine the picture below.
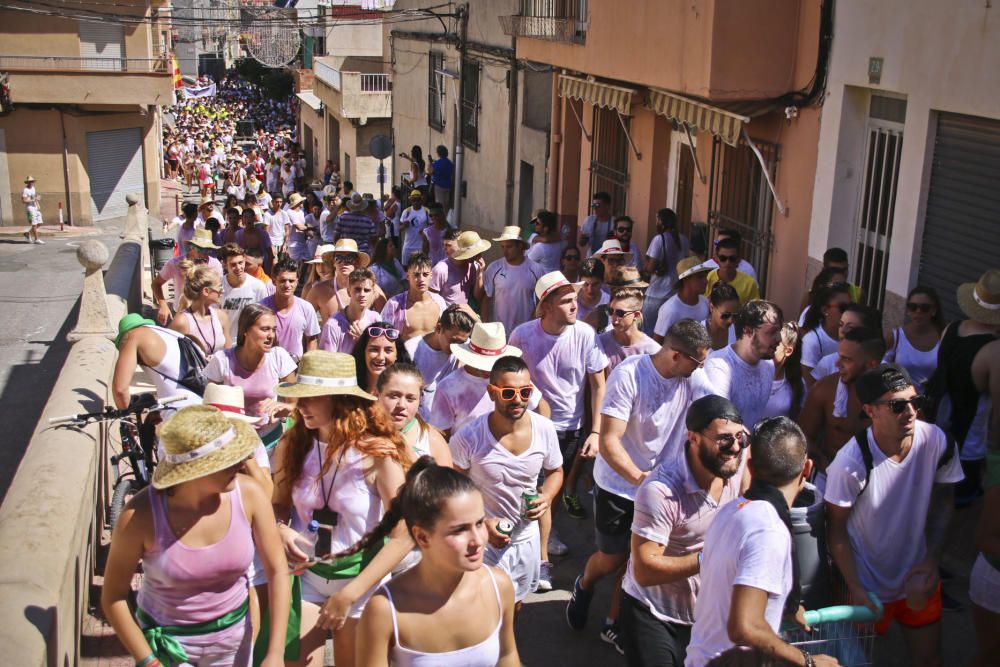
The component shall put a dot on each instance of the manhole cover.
(12, 267)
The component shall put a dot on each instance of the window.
(470, 104)
(435, 91)
(609, 157)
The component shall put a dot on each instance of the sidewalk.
(51, 231)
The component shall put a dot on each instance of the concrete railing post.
(137, 229)
(95, 319)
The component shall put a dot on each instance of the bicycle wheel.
(124, 490)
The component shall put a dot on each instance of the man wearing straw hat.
(509, 282)
(460, 276)
(356, 224)
(197, 253)
(30, 199)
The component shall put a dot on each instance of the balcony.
(549, 20)
(75, 80)
(355, 95)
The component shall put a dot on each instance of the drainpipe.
(555, 141)
(463, 23)
(69, 199)
(512, 139)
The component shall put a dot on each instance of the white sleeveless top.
(166, 373)
(422, 447)
(921, 365)
(484, 654)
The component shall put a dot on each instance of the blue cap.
(313, 526)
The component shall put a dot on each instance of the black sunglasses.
(922, 307)
(345, 259)
(571, 258)
(727, 316)
(729, 259)
(728, 441)
(623, 230)
(376, 332)
(620, 314)
(898, 405)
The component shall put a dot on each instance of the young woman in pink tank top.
(340, 464)
(195, 531)
(447, 610)
(202, 320)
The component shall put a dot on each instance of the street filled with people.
(377, 425)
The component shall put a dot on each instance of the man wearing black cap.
(673, 509)
(889, 497)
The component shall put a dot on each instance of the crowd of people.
(390, 422)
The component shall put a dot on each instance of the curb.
(51, 231)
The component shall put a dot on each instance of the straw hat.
(626, 276)
(295, 199)
(324, 373)
(228, 399)
(320, 251)
(487, 343)
(350, 245)
(357, 203)
(511, 234)
(610, 247)
(198, 441)
(129, 322)
(551, 282)
(29, 179)
(470, 245)
(206, 201)
(690, 266)
(202, 239)
(981, 300)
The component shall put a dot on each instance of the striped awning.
(601, 94)
(724, 124)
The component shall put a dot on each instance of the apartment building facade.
(86, 90)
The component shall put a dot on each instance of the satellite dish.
(380, 146)
(271, 34)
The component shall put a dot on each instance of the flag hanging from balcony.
(178, 81)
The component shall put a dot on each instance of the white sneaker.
(39, 242)
(545, 577)
(556, 546)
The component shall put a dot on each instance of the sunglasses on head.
(509, 393)
(922, 307)
(344, 259)
(898, 405)
(621, 314)
(376, 332)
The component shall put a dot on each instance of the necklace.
(409, 425)
(211, 325)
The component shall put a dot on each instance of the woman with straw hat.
(256, 364)
(319, 271)
(195, 531)
(340, 465)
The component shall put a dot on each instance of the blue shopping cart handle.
(845, 612)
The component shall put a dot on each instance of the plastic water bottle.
(311, 536)
(565, 233)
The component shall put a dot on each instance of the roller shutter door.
(102, 44)
(114, 164)
(962, 225)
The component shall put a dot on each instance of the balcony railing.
(375, 83)
(76, 64)
(327, 74)
(545, 27)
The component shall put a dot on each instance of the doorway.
(525, 196)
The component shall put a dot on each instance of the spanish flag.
(178, 81)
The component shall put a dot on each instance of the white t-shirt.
(559, 366)
(672, 510)
(597, 231)
(661, 286)
(726, 375)
(547, 254)
(461, 397)
(413, 222)
(653, 409)
(826, 366)
(816, 344)
(747, 545)
(235, 298)
(674, 310)
(886, 525)
(434, 366)
(779, 403)
(511, 290)
(617, 353)
(275, 223)
(499, 474)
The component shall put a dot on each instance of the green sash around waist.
(347, 567)
(162, 638)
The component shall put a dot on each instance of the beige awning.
(310, 99)
(724, 124)
(602, 94)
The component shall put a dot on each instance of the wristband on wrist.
(149, 661)
(595, 432)
(701, 557)
(808, 658)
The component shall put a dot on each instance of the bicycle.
(137, 426)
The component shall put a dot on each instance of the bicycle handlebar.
(109, 413)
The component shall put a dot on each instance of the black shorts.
(612, 522)
(648, 641)
(569, 442)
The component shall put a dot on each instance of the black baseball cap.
(880, 380)
(707, 409)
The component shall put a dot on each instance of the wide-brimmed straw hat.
(511, 234)
(551, 282)
(980, 300)
(228, 399)
(29, 179)
(295, 199)
(487, 343)
(626, 276)
(202, 239)
(610, 247)
(323, 373)
(199, 440)
(470, 245)
(320, 251)
(357, 203)
(690, 266)
(350, 245)
(206, 201)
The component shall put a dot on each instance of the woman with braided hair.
(448, 610)
(340, 465)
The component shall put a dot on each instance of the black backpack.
(866, 455)
(193, 363)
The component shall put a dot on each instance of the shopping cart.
(845, 632)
